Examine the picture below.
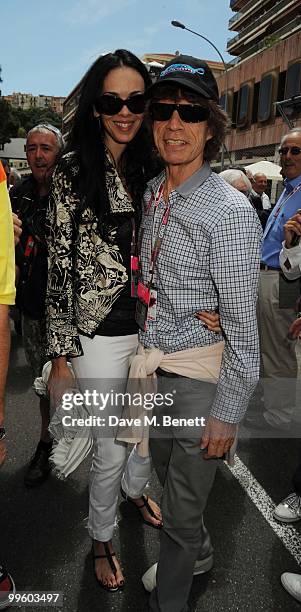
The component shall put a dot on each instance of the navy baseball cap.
(191, 73)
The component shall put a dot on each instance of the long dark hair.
(87, 139)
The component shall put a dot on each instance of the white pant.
(106, 358)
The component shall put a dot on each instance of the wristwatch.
(2, 433)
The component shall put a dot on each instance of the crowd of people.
(134, 259)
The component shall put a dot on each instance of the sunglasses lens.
(293, 150)
(108, 105)
(161, 112)
(136, 104)
(190, 113)
(111, 105)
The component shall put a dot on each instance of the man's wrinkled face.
(180, 143)
(41, 152)
(260, 183)
(291, 164)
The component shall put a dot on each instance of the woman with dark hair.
(93, 220)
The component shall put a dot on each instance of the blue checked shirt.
(209, 260)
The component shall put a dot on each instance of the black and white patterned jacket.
(85, 273)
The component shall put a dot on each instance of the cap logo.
(182, 68)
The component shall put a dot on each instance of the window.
(243, 106)
(293, 80)
(281, 89)
(234, 108)
(255, 102)
(265, 98)
(222, 102)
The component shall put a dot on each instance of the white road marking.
(288, 535)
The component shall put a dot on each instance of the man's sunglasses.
(293, 150)
(112, 105)
(189, 113)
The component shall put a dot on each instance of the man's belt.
(161, 372)
(263, 266)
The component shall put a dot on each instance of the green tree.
(21, 133)
(8, 122)
(14, 121)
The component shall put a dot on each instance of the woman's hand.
(292, 228)
(211, 320)
(295, 328)
(60, 380)
(2, 451)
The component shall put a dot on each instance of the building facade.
(27, 101)
(15, 152)
(266, 71)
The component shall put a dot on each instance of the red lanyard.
(133, 240)
(156, 244)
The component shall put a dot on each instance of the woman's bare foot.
(103, 570)
(149, 510)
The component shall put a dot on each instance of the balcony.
(290, 28)
(236, 4)
(246, 11)
(263, 21)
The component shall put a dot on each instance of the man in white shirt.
(259, 198)
(260, 183)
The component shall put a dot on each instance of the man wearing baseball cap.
(200, 250)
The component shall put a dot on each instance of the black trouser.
(186, 478)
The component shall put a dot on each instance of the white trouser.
(106, 358)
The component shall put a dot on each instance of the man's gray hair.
(291, 131)
(232, 176)
(44, 128)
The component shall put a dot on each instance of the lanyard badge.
(146, 307)
(135, 274)
(135, 262)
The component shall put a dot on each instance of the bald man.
(259, 198)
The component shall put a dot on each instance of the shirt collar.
(190, 185)
(293, 182)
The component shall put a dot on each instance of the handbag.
(71, 443)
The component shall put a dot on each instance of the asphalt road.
(45, 544)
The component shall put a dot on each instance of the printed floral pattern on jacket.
(86, 274)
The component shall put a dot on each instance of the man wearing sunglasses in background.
(200, 250)
(277, 299)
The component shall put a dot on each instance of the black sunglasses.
(190, 113)
(112, 105)
(293, 150)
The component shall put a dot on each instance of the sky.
(46, 47)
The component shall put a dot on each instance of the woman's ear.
(96, 113)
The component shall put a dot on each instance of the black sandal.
(109, 556)
(144, 505)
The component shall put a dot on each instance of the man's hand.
(2, 451)
(17, 223)
(292, 228)
(60, 380)
(211, 320)
(295, 329)
(217, 438)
